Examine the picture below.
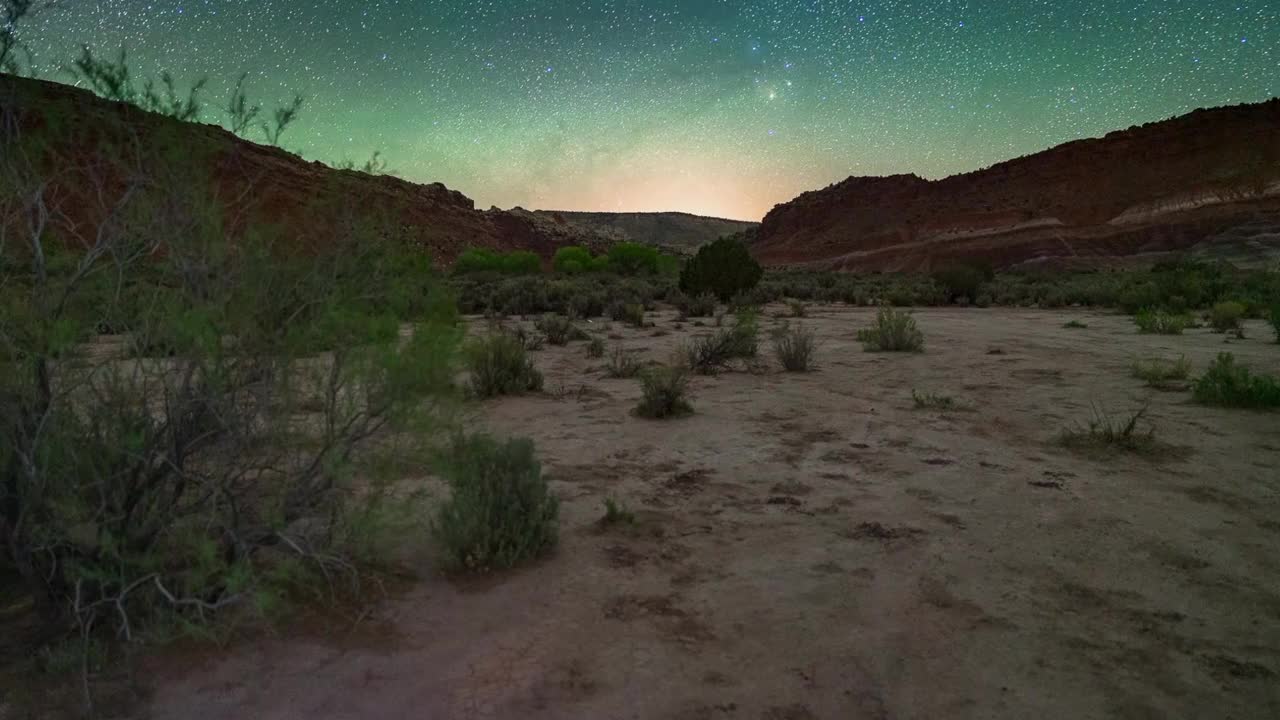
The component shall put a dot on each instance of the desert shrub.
(1226, 316)
(1075, 325)
(615, 513)
(633, 259)
(500, 365)
(894, 331)
(500, 511)
(701, 305)
(797, 308)
(962, 281)
(724, 268)
(557, 329)
(1106, 435)
(585, 304)
(663, 392)
(571, 260)
(709, 354)
(1230, 385)
(595, 347)
(794, 347)
(622, 363)
(933, 401)
(631, 313)
(1159, 322)
(521, 262)
(1163, 374)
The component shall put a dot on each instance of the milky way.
(720, 107)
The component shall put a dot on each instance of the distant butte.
(1206, 182)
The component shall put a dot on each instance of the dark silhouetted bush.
(724, 268)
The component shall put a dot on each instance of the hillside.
(1207, 182)
(674, 231)
(300, 201)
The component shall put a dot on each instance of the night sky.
(719, 107)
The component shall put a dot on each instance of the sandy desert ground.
(812, 546)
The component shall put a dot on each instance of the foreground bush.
(1230, 385)
(663, 393)
(710, 354)
(500, 511)
(500, 365)
(894, 331)
(1159, 322)
(794, 347)
(724, 268)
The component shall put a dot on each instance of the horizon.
(714, 109)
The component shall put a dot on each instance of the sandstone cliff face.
(303, 202)
(1209, 177)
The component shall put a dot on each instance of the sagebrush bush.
(701, 305)
(1226, 316)
(500, 511)
(933, 401)
(1159, 322)
(724, 268)
(595, 347)
(1163, 374)
(797, 308)
(894, 331)
(500, 365)
(712, 353)
(622, 363)
(558, 330)
(664, 392)
(794, 347)
(1230, 385)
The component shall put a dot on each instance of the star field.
(719, 107)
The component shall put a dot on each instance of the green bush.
(622, 364)
(1230, 385)
(1159, 322)
(571, 260)
(724, 268)
(557, 329)
(633, 259)
(663, 393)
(893, 332)
(1226, 316)
(794, 347)
(1163, 374)
(481, 260)
(499, 365)
(521, 262)
(500, 511)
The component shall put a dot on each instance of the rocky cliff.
(1207, 182)
(257, 185)
(677, 232)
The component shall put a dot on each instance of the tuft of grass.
(1163, 374)
(557, 329)
(1106, 435)
(1226, 316)
(595, 347)
(1159, 322)
(1227, 384)
(894, 331)
(499, 365)
(500, 511)
(663, 393)
(798, 308)
(933, 401)
(622, 364)
(1075, 325)
(794, 347)
(615, 513)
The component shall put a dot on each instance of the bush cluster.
(894, 331)
(1228, 384)
(500, 365)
